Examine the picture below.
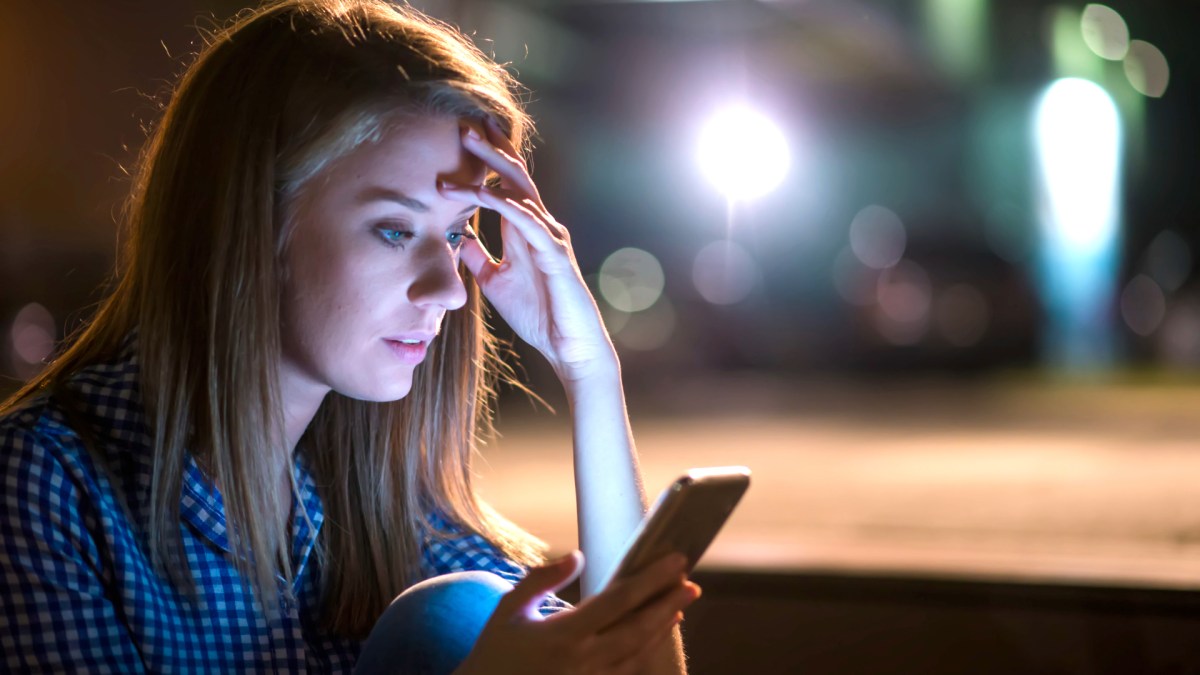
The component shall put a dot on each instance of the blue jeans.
(431, 627)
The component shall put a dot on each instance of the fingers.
(534, 225)
(653, 601)
(649, 625)
(628, 595)
(644, 650)
(648, 605)
(499, 155)
(477, 259)
(515, 250)
(518, 199)
(497, 137)
(525, 598)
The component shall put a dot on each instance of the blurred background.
(925, 266)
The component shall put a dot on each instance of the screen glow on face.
(373, 263)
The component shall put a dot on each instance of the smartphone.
(685, 518)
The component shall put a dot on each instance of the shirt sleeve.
(464, 551)
(55, 614)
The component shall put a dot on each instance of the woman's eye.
(393, 236)
(457, 239)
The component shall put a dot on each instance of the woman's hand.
(615, 631)
(537, 287)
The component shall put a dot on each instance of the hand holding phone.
(685, 518)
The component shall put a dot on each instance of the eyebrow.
(379, 193)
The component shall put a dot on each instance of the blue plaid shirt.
(77, 590)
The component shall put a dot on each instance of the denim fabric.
(431, 627)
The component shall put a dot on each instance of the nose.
(437, 280)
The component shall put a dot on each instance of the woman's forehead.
(414, 156)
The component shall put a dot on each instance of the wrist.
(603, 367)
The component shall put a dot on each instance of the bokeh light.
(877, 237)
(743, 153)
(957, 32)
(1077, 133)
(905, 293)
(32, 338)
(1143, 305)
(631, 279)
(724, 272)
(1179, 337)
(649, 329)
(1147, 69)
(961, 315)
(1169, 260)
(1105, 32)
(614, 319)
(905, 296)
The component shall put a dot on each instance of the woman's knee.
(456, 593)
(431, 626)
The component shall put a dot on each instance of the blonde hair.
(270, 102)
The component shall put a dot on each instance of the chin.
(379, 392)
(392, 393)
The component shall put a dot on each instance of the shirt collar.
(112, 392)
(203, 508)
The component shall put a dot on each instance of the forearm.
(610, 501)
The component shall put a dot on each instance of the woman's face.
(373, 263)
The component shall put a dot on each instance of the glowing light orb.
(1147, 69)
(1078, 137)
(1078, 147)
(724, 273)
(1105, 32)
(743, 153)
(877, 237)
(1143, 305)
(631, 279)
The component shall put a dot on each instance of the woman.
(265, 434)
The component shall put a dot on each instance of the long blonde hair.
(270, 101)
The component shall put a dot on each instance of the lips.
(409, 352)
(414, 336)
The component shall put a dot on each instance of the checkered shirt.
(77, 590)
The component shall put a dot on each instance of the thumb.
(525, 598)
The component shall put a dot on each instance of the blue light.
(1078, 145)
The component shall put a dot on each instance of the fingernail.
(447, 185)
(473, 134)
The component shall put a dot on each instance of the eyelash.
(405, 235)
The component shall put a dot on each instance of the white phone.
(685, 518)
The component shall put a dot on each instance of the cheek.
(322, 298)
(335, 293)
(310, 287)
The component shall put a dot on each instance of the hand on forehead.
(471, 170)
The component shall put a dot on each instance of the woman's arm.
(609, 497)
(538, 289)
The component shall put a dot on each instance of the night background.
(933, 282)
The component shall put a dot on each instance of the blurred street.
(1026, 480)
